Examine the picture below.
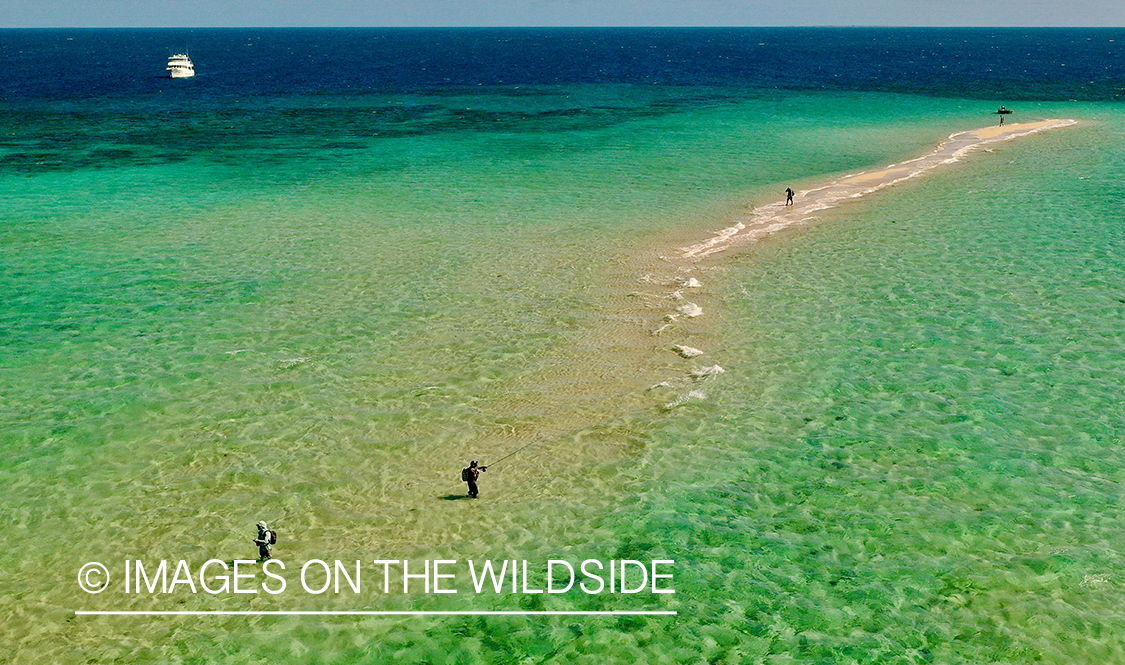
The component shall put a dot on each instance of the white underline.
(376, 612)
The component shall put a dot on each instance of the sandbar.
(773, 217)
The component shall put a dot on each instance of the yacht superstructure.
(180, 66)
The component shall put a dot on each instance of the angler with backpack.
(265, 540)
(470, 475)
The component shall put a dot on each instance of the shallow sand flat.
(767, 219)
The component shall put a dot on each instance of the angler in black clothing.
(470, 475)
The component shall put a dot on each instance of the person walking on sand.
(265, 540)
(470, 474)
(788, 196)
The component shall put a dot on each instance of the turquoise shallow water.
(911, 456)
(918, 460)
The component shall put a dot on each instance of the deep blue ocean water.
(68, 94)
(993, 63)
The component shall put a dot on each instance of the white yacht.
(180, 66)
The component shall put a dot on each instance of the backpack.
(466, 474)
(272, 537)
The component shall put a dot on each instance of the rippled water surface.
(312, 298)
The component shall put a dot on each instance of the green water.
(911, 457)
(920, 448)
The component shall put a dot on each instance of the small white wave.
(1095, 581)
(687, 351)
(692, 283)
(684, 399)
(706, 372)
(690, 310)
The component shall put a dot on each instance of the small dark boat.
(1004, 111)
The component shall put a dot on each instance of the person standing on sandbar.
(788, 196)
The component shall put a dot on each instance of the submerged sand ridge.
(767, 219)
